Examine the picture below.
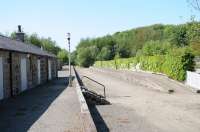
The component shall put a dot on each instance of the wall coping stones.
(88, 123)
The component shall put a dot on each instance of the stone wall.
(6, 73)
(59, 64)
(43, 69)
(16, 73)
(32, 71)
(53, 68)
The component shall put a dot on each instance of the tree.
(85, 58)
(179, 36)
(195, 46)
(63, 56)
(34, 39)
(46, 43)
(105, 54)
(195, 4)
(74, 57)
(152, 48)
(150, 40)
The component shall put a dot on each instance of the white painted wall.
(193, 79)
(24, 84)
(39, 74)
(1, 78)
(198, 71)
(49, 68)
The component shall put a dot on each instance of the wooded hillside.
(151, 40)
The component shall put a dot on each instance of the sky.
(88, 18)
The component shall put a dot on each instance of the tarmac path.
(53, 107)
(141, 108)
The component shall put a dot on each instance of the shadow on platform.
(98, 120)
(21, 112)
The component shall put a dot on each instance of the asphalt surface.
(53, 107)
(136, 106)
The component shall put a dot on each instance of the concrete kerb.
(88, 123)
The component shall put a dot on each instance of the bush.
(85, 57)
(152, 48)
(173, 67)
(63, 56)
(178, 61)
(174, 64)
(117, 63)
(152, 63)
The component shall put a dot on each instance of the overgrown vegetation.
(144, 41)
(169, 49)
(174, 64)
(127, 63)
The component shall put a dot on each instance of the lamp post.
(69, 57)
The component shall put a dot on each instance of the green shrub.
(174, 64)
(152, 63)
(178, 61)
(117, 63)
(173, 67)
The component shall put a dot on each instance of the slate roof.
(18, 46)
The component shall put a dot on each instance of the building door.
(49, 70)
(39, 74)
(24, 83)
(1, 78)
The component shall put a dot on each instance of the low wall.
(131, 78)
(193, 79)
(87, 120)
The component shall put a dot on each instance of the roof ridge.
(28, 45)
(6, 37)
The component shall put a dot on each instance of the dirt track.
(138, 106)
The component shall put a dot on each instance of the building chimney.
(20, 35)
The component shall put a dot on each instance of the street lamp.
(69, 57)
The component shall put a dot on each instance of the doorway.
(1, 79)
(39, 74)
(49, 70)
(23, 74)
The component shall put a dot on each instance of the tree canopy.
(46, 43)
(148, 40)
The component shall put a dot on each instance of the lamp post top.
(68, 36)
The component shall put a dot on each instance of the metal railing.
(104, 88)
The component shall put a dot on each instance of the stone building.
(23, 66)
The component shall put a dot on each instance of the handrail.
(104, 88)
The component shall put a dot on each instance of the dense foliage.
(46, 43)
(127, 63)
(63, 56)
(174, 64)
(144, 41)
(168, 49)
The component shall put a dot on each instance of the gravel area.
(139, 107)
(53, 107)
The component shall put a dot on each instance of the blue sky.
(88, 18)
